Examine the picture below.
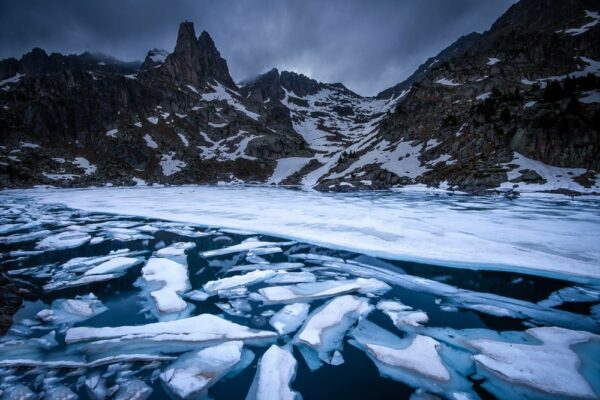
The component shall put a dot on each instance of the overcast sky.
(368, 45)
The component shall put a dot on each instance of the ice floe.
(527, 364)
(247, 279)
(63, 240)
(244, 246)
(320, 290)
(203, 328)
(414, 359)
(275, 372)
(326, 327)
(69, 311)
(172, 277)
(193, 373)
(289, 318)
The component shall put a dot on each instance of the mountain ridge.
(482, 115)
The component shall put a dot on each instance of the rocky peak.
(300, 84)
(196, 60)
(264, 87)
(213, 65)
(456, 49)
(534, 16)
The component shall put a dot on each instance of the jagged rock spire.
(196, 60)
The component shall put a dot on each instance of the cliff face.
(489, 107)
(515, 107)
(177, 119)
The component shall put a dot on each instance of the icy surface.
(238, 280)
(174, 279)
(322, 289)
(449, 330)
(201, 328)
(420, 356)
(325, 329)
(276, 371)
(289, 318)
(194, 373)
(64, 240)
(483, 233)
(527, 364)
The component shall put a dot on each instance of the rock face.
(515, 107)
(195, 60)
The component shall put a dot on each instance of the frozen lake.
(242, 292)
(549, 236)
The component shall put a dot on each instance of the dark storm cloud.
(368, 45)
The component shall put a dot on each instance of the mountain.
(514, 108)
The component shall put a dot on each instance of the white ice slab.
(116, 264)
(322, 289)
(193, 373)
(289, 318)
(244, 246)
(175, 281)
(274, 375)
(325, 329)
(551, 367)
(203, 328)
(420, 356)
(63, 240)
(247, 279)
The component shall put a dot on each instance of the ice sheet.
(542, 236)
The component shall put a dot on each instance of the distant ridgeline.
(514, 108)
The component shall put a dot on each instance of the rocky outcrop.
(194, 60)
